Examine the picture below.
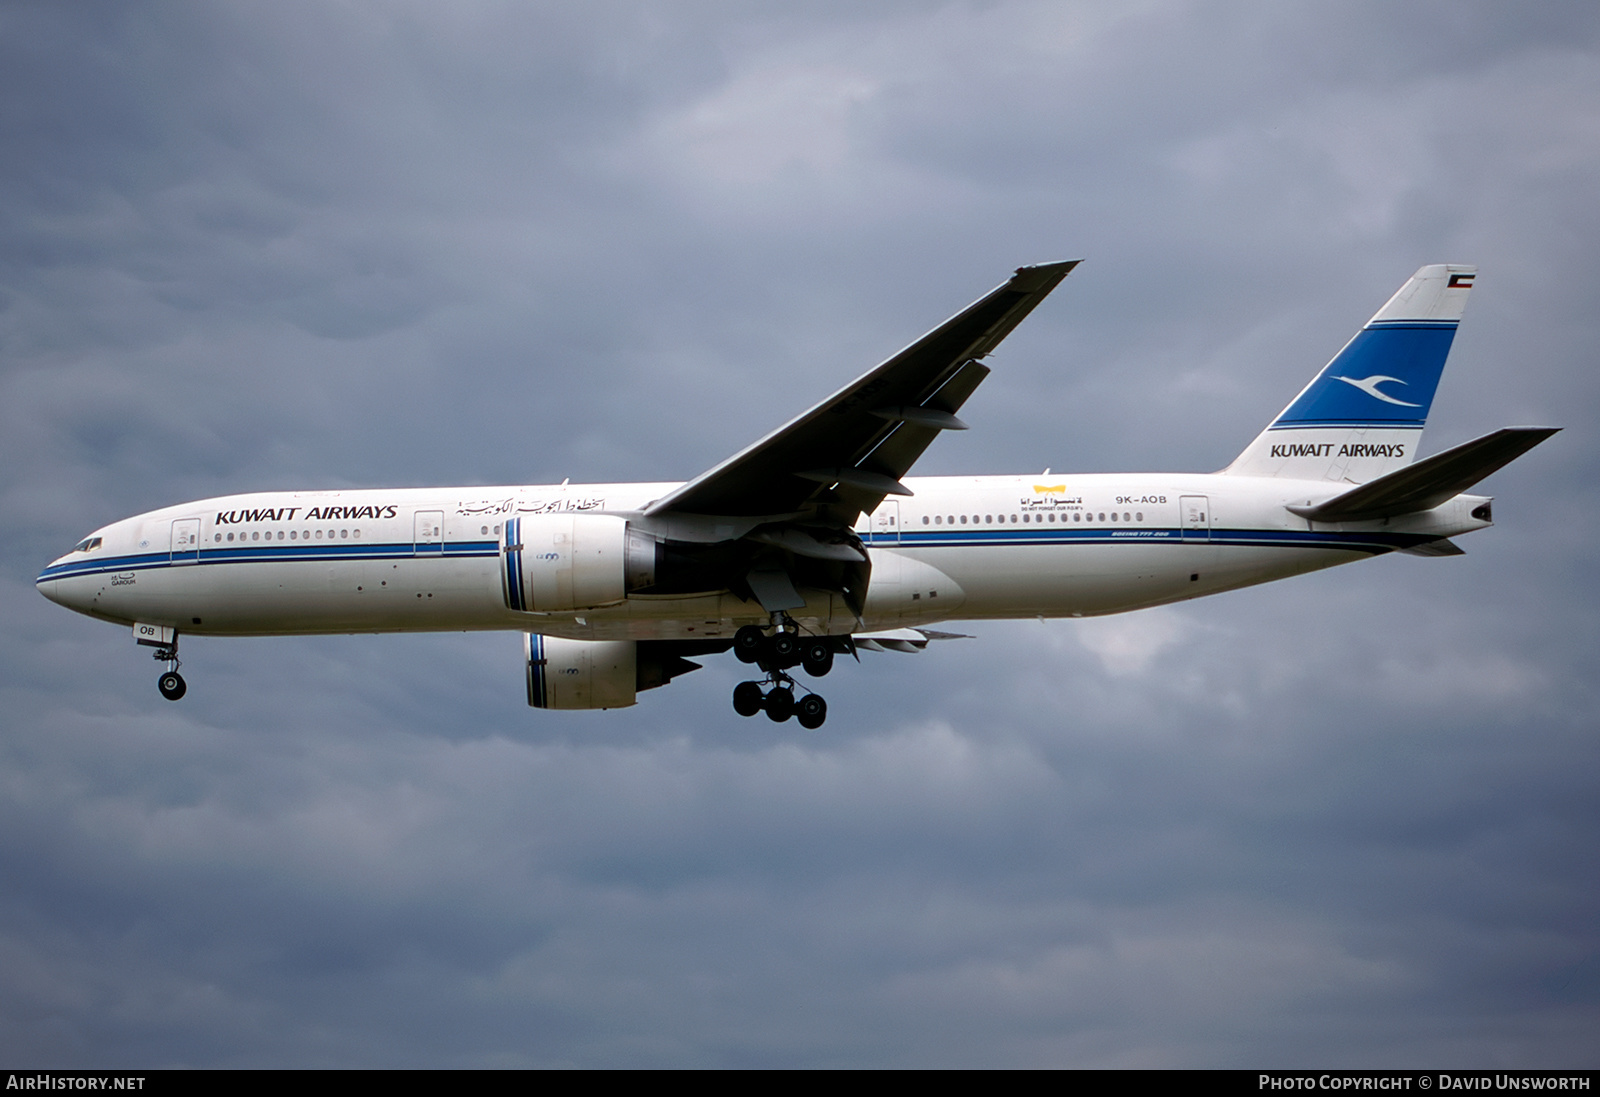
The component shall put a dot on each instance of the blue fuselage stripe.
(950, 538)
(982, 538)
(264, 554)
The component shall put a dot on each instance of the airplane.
(813, 542)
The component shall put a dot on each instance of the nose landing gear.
(171, 684)
(776, 654)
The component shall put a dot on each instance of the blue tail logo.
(1346, 393)
(1369, 385)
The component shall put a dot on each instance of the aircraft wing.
(846, 453)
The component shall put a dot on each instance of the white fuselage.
(405, 560)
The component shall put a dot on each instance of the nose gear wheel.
(171, 683)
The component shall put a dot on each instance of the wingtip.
(1039, 275)
(1538, 434)
(1053, 265)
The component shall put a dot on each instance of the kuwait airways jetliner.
(813, 542)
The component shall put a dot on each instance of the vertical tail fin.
(1363, 414)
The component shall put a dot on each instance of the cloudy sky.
(1349, 819)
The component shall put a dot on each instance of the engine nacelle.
(596, 673)
(552, 563)
(581, 673)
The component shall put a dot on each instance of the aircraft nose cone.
(63, 592)
(47, 587)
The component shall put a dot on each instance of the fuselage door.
(886, 523)
(186, 541)
(1196, 517)
(430, 532)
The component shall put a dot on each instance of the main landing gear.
(171, 684)
(776, 654)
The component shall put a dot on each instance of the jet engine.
(552, 563)
(601, 673)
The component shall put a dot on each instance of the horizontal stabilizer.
(908, 640)
(1431, 481)
(935, 634)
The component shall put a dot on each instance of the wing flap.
(1431, 481)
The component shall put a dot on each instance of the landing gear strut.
(776, 654)
(171, 684)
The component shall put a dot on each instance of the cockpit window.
(88, 544)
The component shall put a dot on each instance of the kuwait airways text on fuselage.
(315, 514)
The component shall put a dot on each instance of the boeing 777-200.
(813, 542)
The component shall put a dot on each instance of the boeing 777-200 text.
(813, 542)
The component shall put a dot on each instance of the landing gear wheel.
(748, 643)
(172, 685)
(747, 698)
(786, 649)
(817, 657)
(780, 705)
(813, 711)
